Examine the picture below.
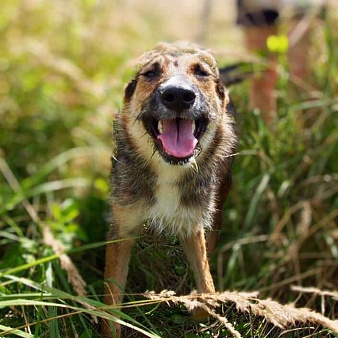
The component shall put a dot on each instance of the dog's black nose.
(178, 98)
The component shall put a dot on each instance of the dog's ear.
(130, 89)
(236, 73)
(222, 92)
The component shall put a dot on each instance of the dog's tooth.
(160, 127)
(193, 125)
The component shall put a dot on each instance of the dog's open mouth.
(177, 139)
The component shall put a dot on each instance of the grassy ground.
(62, 71)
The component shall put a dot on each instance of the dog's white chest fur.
(168, 213)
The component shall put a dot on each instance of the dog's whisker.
(194, 165)
(114, 158)
(232, 155)
(154, 152)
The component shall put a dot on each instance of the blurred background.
(63, 68)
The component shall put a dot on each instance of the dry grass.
(282, 316)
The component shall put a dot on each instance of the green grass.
(62, 73)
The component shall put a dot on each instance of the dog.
(175, 140)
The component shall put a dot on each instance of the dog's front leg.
(117, 260)
(125, 222)
(195, 249)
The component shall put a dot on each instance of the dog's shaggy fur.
(175, 141)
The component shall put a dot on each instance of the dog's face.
(175, 101)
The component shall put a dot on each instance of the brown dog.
(175, 140)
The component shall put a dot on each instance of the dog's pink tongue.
(178, 137)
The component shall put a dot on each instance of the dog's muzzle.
(176, 123)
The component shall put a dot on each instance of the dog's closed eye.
(152, 72)
(199, 71)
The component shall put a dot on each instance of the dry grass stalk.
(73, 274)
(224, 321)
(316, 291)
(281, 316)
